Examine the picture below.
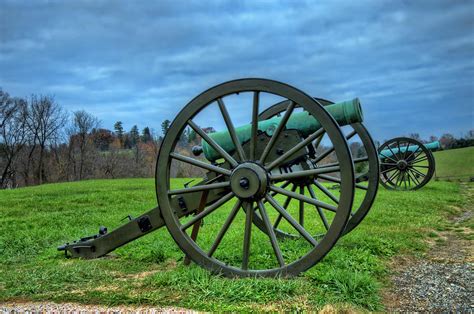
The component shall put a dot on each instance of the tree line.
(447, 140)
(40, 142)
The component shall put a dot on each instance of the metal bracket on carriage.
(82, 242)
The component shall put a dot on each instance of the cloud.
(141, 62)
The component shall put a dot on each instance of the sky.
(140, 62)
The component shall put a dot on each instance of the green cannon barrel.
(433, 146)
(344, 113)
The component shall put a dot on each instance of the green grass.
(455, 164)
(149, 270)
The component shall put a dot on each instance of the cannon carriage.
(263, 206)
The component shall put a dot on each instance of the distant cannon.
(406, 164)
(433, 146)
(270, 174)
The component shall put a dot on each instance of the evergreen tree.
(119, 131)
(165, 125)
(134, 136)
(146, 135)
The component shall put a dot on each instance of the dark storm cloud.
(140, 62)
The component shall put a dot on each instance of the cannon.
(263, 206)
(406, 164)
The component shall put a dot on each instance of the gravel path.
(436, 287)
(444, 280)
(50, 307)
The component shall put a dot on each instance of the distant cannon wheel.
(366, 166)
(226, 242)
(405, 164)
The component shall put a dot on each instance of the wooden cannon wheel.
(405, 164)
(230, 247)
(367, 180)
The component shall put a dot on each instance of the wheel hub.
(402, 164)
(249, 181)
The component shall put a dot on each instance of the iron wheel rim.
(172, 222)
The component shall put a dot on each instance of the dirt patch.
(443, 280)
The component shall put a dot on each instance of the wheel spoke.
(303, 173)
(408, 179)
(388, 169)
(337, 180)
(329, 151)
(394, 175)
(385, 156)
(415, 158)
(253, 137)
(200, 164)
(301, 207)
(399, 174)
(326, 191)
(400, 150)
(419, 160)
(231, 129)
(207, 211)
(274, 193)
(351, 135)
(323, 155)
(361, 177)
(303, 198)
(247, 235)
(294, 149)
(418, 172)
(285, 206)
(225, 227)
(213, 143)
(361, 159)
(413, 153)
(199, 188)
(318, 141)
(406, 151)
(398, 183)
(271, 234)
(291, 220)
(357, 160)
(393, 154)
(326, 153)
(197, 225)
(413, 177)
(279, 128)
(320, 211)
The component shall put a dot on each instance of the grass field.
(456, 164)
(34, 221)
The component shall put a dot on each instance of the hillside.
(455, 164)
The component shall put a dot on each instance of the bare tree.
(433, 138)
(447, 140)
(82, 126)
(415, 136)
(470, 134)
(45, 120)
(13, 113)
(8, 107)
